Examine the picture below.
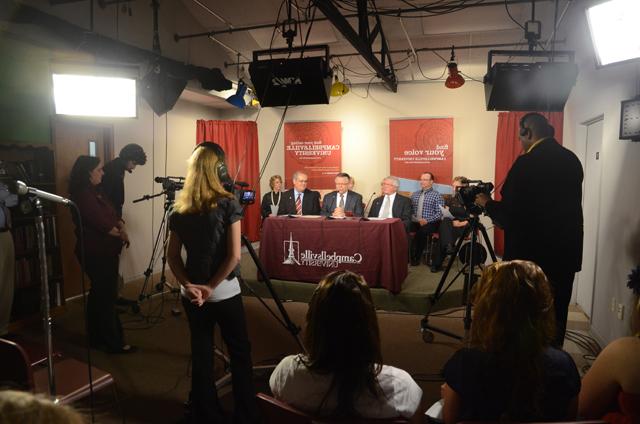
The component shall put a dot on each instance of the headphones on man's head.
(523, 130)
(221, 167)
(527, 131)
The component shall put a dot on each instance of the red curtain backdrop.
(239, 139)
(508, 148)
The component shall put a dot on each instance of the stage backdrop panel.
(420, 145)
(316, 148)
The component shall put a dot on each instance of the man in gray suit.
(343, 201)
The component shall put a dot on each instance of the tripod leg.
(485, 236)
(291, 327)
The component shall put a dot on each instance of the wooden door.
(73, 138)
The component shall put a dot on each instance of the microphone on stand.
(21, 189)
(365, 218)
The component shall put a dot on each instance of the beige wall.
(168, 141)
(598, 92)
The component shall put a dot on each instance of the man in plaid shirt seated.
(425, 216)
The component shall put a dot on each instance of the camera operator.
(206, 221)
(130, 156)
(541, 211)
(451, 229)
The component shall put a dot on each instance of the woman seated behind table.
(511, 372)
(342, 375)
(611, 387)
(271, 200)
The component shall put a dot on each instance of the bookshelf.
(36, 163)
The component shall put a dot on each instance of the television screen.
(615, 32)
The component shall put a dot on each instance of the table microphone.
(364, 218)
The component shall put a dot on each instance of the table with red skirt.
(307, 249)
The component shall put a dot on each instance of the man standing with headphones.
(541, 211)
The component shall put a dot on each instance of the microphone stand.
(44, 293)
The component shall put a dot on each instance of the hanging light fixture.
(238, 99)
(338, 88)
(454, 80)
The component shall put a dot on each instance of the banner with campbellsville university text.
(421, 145)
(315, 148)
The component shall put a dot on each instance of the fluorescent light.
(615, 31)
(85, 95)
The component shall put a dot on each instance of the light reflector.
(615, 31)
(84, 95)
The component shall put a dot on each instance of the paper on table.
(446, 213)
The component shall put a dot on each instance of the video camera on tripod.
(170, 183)
(468, 192)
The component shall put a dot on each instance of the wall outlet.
(620, 311)
(613, 304)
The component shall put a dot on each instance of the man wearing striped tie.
(300, 200)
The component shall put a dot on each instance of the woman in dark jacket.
(206, 221)
(103, 235)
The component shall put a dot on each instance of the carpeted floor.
(153, 383)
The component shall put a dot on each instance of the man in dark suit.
(391, 204)
(300, 200)
(343, 201)
(541, 211)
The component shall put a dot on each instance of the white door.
(591, 211)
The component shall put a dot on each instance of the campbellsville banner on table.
(315, 148)
(421, 145)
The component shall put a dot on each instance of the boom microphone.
(21, 189)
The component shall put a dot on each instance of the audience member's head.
(513, 308)
(342, 337)
(342, 182)
(300, 180)
(275, 183)
(26, 408)
(514, 318)
(133, 154)
(390, 185)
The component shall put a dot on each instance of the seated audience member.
(425, 219)
(27, 408)
(611, 387)
(342, 201)
(300, 200)
(391, 204)
(271, 201)
(451, 229)
(511, 372)
(342, 376)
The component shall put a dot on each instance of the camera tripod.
(160, 242)
(472, 255)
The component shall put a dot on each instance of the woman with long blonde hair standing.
(206, 221)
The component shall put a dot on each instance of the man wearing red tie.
(300, 200)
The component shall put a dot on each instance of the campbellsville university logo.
(293, 256)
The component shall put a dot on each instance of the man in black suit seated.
(342, 202)
(391, 204)
(300, 200)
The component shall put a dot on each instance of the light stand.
(473, 259)
(163, 234)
